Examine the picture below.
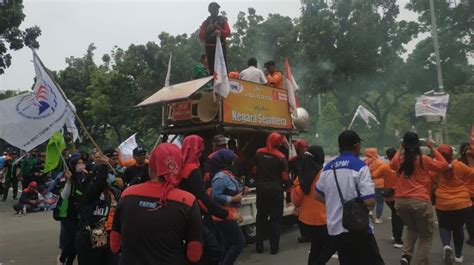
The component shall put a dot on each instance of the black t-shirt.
(270, 166)
(152, 233)
(27, 196)
(136, 175)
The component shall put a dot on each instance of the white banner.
(431, 105)
(291, 86)
(221, 80)
(29, 120)
(126, 148)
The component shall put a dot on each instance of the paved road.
(33, 239)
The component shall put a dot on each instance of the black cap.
(269, 63)
(138, 151)
(219, 140)
(110, 152)
(347, 139)
(212, 4)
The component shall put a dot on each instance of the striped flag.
(291, 86)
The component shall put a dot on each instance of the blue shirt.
(224, 187)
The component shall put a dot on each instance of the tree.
(11, 37)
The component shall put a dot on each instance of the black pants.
(269, 204)
(321, 248)
(212, 243)
(452, 222)
(93, 256)
(357, 249)
(68, 253)
(470, 222)
(11, 182)
(397, 223)
(211, 54)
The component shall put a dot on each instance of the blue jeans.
(379, 203)
(233, 241)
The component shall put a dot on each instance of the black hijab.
(313, 161)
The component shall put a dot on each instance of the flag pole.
(75, 113)
(353, 118)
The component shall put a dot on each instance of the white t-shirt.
(253, 74)
(350, 171)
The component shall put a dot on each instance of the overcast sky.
(69, 26)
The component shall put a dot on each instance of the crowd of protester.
(174, 206)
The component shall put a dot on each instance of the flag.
(168, 74)
(431, 105)
(364, 114)
(221, 80)
(71, 123)
(29, 120)
(56, 146)
(291, 86)
(126, 148)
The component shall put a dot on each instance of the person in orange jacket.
(467, 157)
(390, 179)
(274, 76)
(374, 162)
(234, 74)
(453, 203)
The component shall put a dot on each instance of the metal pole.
(319, 105)
(434, 34)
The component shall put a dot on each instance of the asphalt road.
(33, 239)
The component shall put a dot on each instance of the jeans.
(397, 223)
(452, 222)
(269, 204)
(418, 217)
(360, 248)
(379, 202)
(233, 241)
(321, 248)
(212, 243)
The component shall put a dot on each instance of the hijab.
(192, 149)
(313, 161)
(223, 159)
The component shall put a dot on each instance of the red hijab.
(274, 140)
(192, 149)
(166, 162)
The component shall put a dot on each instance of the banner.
(221, 80)
(55, 147)
(431, 105)
(29, 120)
(364, 114)
(126, 148)
(71, 123)
(257, 105)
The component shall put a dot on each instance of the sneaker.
(378, 221)
(448, 255)
(303, 239)
(398, 245)
(470, 242)
(405, 260)
(335, 256)
(459, 260)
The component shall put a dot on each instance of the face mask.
(80, 167)
(110, 178)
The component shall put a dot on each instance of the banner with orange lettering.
(257, 105)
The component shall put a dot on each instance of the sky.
(69, 26)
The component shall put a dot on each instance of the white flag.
(71, 123)
(29, 120)
(291, 86)
(126, 148)
(431, 105)
(365, 114)
(221, 80)
(168, 74)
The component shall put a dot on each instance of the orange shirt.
(373, 166)
(452, 192)
(275, 79)
(389, 176)
(418, 185)
(311, 211)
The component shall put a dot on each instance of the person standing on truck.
(213, 27)
(271, 169)
(201, 69)
(252, 73)
(274, 76)
(192, 182)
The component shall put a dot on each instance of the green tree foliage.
(11, 37)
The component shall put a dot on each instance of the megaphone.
(207, 108)
(302, 121)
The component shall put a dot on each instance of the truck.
(247, 115)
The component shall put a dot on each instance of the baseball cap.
(348, 139)
(219, 140)
(110, 152)
(139, 151)
(212, 4)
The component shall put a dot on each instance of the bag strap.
(337, 184)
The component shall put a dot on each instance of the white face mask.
(80, 167)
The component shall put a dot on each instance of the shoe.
(398, 245)
(378, 221)
(459, 260)
(335, 256)
(302, 239)
(470, 242)
(259, 248)
(448, 255)
(405, 260)
(274, 251)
